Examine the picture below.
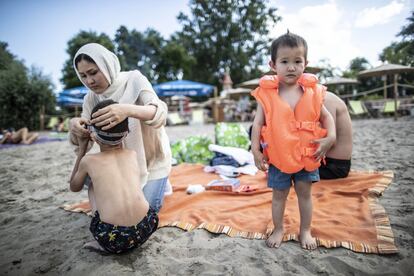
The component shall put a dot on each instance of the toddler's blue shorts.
(281, 181)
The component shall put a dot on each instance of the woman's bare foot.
(275, 239)
(94, 245)
(307, 241)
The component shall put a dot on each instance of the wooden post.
(395, 97)
(215, 106)
(42, 117)
(385, 86)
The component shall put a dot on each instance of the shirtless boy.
(122, 218)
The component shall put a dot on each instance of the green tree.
(356, 65)
(174, 62)
(221, 34)
(328, 71)
(23, 92)
(140, 51)
(69, 78)
(401, 52)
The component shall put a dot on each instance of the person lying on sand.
(123, 219)
(22, 136)
(338, 158)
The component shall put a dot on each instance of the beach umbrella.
(250, 84)
(68, 101)
(383, 71)
(183, 88)
(76, 92)
(338, 81)
(313, 69)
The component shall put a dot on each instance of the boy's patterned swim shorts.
(119, 239)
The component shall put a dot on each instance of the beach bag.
(193, 149)
(232, 135)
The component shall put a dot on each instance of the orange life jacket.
(288, 133)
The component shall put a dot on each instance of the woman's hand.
(109, 116)
(77, 127)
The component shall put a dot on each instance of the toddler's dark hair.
(288, 40)
(119, 128)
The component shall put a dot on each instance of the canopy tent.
(384, 70)
(72, 97)
(235, 92)
(183, 88)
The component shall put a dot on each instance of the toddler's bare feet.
(307, 241)
(275, 239)
(94, 245)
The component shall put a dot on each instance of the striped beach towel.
(346, 212)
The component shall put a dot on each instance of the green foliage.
(174, 62)
(222, 34)
(328, 71)
(139, 50)
(407, 32)
(6, 58)
(193, 149)
(158, 59)
(356, 65)
(401, 52)
(23, 92)
(69, 78)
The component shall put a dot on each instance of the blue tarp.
(183, 88)
(72, 97)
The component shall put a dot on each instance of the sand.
(37, 237)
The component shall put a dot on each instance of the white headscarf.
(124, 87)
(106, 61)
(151, 144)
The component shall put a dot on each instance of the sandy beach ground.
(37, 237)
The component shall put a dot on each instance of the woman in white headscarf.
(100, 71)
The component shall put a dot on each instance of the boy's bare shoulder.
(332, 99)
(130, 152)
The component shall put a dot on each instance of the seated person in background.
(22, 136)
(122, 218)
(338, 157)
(60, 125)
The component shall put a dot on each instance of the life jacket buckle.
(305, 151)
(306, 125)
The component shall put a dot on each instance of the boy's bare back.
(342, 149)
(115, 177)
